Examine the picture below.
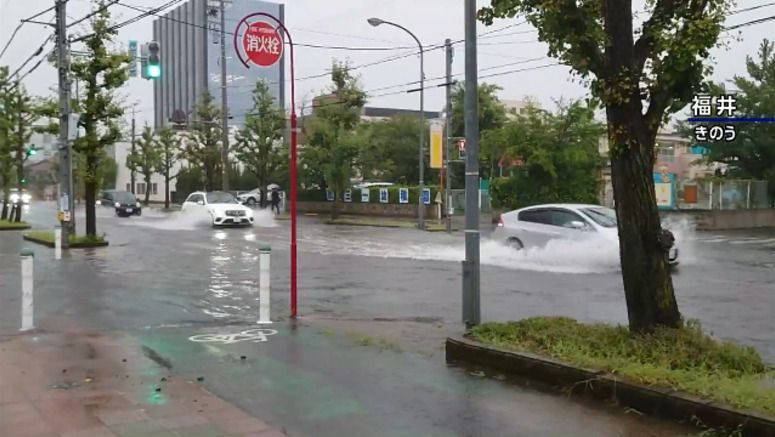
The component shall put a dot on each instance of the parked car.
(535, 226)
(124, 202)
(252, 197)
(223, 208)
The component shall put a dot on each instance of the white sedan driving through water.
(223, 208)
(535, 226)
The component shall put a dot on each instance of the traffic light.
(32, 151)
(153, 66)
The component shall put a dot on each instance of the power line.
(144, 15)
(750, 23)
(33, 55)
(752, 8)
(93, 13)
(22, 23)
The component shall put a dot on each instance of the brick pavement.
(88, 385)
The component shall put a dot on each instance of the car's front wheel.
(251, 201)
(515, 243)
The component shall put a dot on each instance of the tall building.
(190, 44)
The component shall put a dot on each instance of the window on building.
(129, 187)
(154, 188)
(665, 154)
(141, 188)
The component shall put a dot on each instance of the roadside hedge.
(414, 192)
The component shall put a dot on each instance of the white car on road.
(535, 226)
(223, 208)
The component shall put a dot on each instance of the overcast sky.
(343, 23)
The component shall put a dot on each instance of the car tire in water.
(251, 201)
(515, 243)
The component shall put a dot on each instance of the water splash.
(190, 220)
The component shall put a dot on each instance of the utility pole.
(224, 105)
(65, 159)
(471, 306)
(448, 134)
(132, 170)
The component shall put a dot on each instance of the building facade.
(189, 38)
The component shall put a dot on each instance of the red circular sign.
(262, 44)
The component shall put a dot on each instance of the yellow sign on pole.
(437, 132)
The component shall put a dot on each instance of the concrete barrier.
(717, 220)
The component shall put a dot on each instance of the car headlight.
(26, 198)
(137, 205)
(117, 205)
(14, 198)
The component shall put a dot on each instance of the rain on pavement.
(166, 277)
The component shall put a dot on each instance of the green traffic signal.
(153, 71)
(32, 151)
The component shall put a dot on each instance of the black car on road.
(124, 202)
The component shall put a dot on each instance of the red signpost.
(262, 44)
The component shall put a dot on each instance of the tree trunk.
(147, 178)
(335, 206)
(167, 189)
(643, 245)
(5, 208)
(90, 195)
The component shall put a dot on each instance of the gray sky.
(343, 22)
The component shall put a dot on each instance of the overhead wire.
(21, 24)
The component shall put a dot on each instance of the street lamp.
(420, 206)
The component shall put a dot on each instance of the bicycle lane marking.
(257, 335)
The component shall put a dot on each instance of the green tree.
(203, 146)
(259, 142)
(103, 178)
(333, 141)
(639, 82)
(101, 71)
(169, 152)
(752, 154)
(146, 159)
(560, 157)
(388, 151)
(492, 116)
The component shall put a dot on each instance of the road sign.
(262, 44)
(383, 195)
(348, 196)
(132, 52)
(437, 131)
(365, 195)
(426, 196)
(403, 195)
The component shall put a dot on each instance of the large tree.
(101, 71)
(259, 142)
(640, 76)
(556, 157)
(169, 154)
(388, 151)
(203, 144)
(146, 159)
(752, 154)
(333, 142)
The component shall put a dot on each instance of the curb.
(658, 401)
(20, 228)
(72, 245)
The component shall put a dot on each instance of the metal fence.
(722, 194)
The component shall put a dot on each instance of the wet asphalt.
(367, 356)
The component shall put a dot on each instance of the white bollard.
(28, 259)
(58, 242)
(264, 286)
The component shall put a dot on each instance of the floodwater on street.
(167, 273)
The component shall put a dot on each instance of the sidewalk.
(89, 385)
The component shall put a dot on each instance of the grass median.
(76, 241)
(684, 359)
(7, 225)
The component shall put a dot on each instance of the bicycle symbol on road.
(258, 335)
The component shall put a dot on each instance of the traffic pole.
(264, 285)
(65, 159)
(225, 171)
(471, 304)
(28, 259)
(448, 137)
